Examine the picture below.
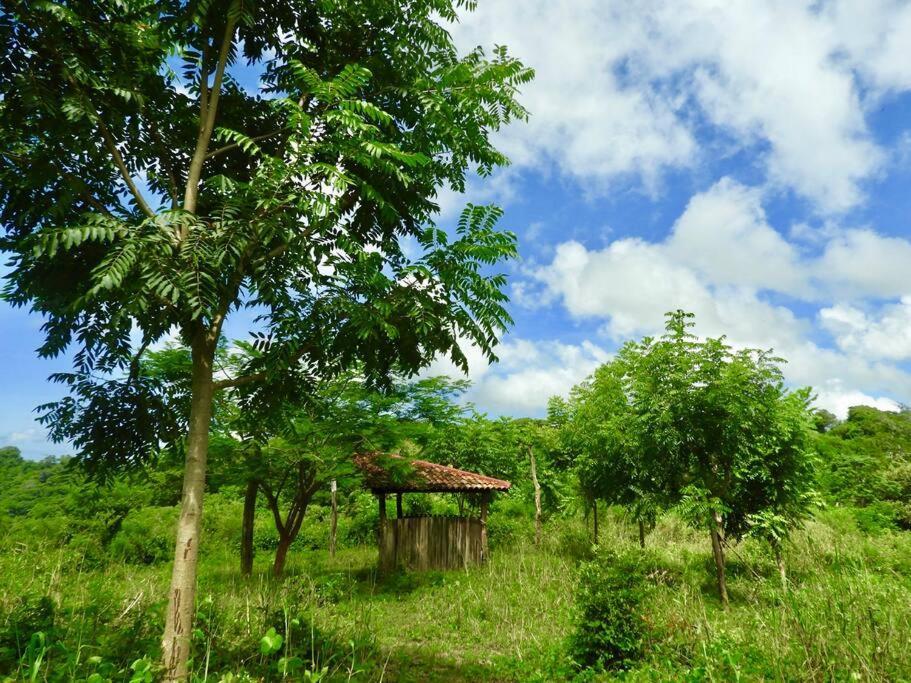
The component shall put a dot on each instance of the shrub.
(146, 536)
(365, 519)
(877, 517)
(610, 627)
(570, 541)
(28, 617)
(509, 522)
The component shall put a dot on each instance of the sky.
(749, 162)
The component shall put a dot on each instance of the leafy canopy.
(681, 420)
(145, 190)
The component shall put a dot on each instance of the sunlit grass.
(847, 615)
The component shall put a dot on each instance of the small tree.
(679, 420)
(342, 417)
(734, 439)
(612, 464)
(534, 440)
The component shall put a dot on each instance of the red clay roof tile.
(392, 473)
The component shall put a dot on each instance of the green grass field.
(846, 617)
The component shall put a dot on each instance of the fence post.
(333, 523)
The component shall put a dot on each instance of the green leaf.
(271, 642)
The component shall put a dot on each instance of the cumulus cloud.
(724, 235)
(862, 263)
(585, 120)
(725, 263)
(528, 373)
(622, 88)
(886, 335)
(837, 400)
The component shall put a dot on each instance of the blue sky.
(750, 162)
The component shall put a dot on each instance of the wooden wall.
(420, 543)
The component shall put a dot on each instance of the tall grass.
(847, 615)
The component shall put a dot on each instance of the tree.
(137, 201)
(611, 463)
(823, 420)
(734, 440)
(682, 421)
(866, 461)
(342, 417)
(535, 440)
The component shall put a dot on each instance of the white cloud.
(887, 335)
(837, 400)
(876, 35)
(719, 261)
(527, 375)
(622, 87)
(724, 235)
(861, 263)
(584, 120)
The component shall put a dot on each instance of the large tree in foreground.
(145, 189)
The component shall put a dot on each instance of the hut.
(427, 542)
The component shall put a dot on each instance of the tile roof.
(392, 473)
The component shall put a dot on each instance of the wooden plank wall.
(421, 543)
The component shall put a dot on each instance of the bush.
(570, 541)
(610, 628)
(365, 519)
(877, 517)
(28, 617)
(509, 522)
(146, 536)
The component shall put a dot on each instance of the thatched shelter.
(427, 542)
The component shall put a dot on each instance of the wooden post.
(333, 522)
(595, 511)
(382, 539)
(398, 505)
(485, 499)
(534, 480)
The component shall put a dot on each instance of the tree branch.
(112, 149)
(272, 500)
(235, 145)
(239, 381)
(164, 160)
(208, 111)
(122, 167)
(85, 190)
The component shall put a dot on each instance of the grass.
(847, 615)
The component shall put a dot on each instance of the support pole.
(595, 514)
(485, 500)
(333, 522)
(398, 505)
(382, 531)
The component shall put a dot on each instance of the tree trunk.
(641, 534)
(718, 551)
(779, 560)
(281, 555)
(595, 515)
(246, 535)
(333, 520)
(534, 479)
(175, 643)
